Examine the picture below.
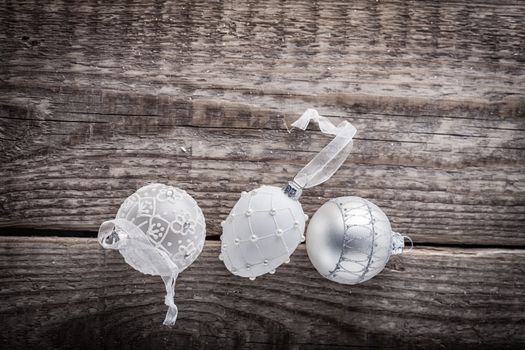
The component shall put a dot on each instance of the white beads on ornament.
(263, 229)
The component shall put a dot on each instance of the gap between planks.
(23, 233)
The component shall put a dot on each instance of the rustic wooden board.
(437, 188)
(68, 292)
(98, 98)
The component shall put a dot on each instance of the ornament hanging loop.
(330, 158)
(411, 243)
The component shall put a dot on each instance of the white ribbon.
(326, 162)
(169, 299)
(142, 255)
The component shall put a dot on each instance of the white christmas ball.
(164, 226)
(263, 229)
(349, 240)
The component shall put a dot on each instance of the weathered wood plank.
(96, 99)
(441, 180)
(384, 48)
(69, 293)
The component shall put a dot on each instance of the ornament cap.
(293, 190)
(398, 243)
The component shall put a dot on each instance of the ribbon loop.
(332, 156)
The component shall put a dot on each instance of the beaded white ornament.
(159, 230)
(267, 224)
(262, 230)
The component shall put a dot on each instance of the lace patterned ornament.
(267, 224)
(350, 240)
(159, 230)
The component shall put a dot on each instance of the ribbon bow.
(332, 156)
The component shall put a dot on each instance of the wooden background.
(97, 98)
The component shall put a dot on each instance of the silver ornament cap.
(349, 240)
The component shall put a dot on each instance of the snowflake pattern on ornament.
(171, 220)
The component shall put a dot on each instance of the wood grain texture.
(98, 98)
(69, 293)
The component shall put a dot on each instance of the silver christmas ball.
(349, 240)
(263, 229)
